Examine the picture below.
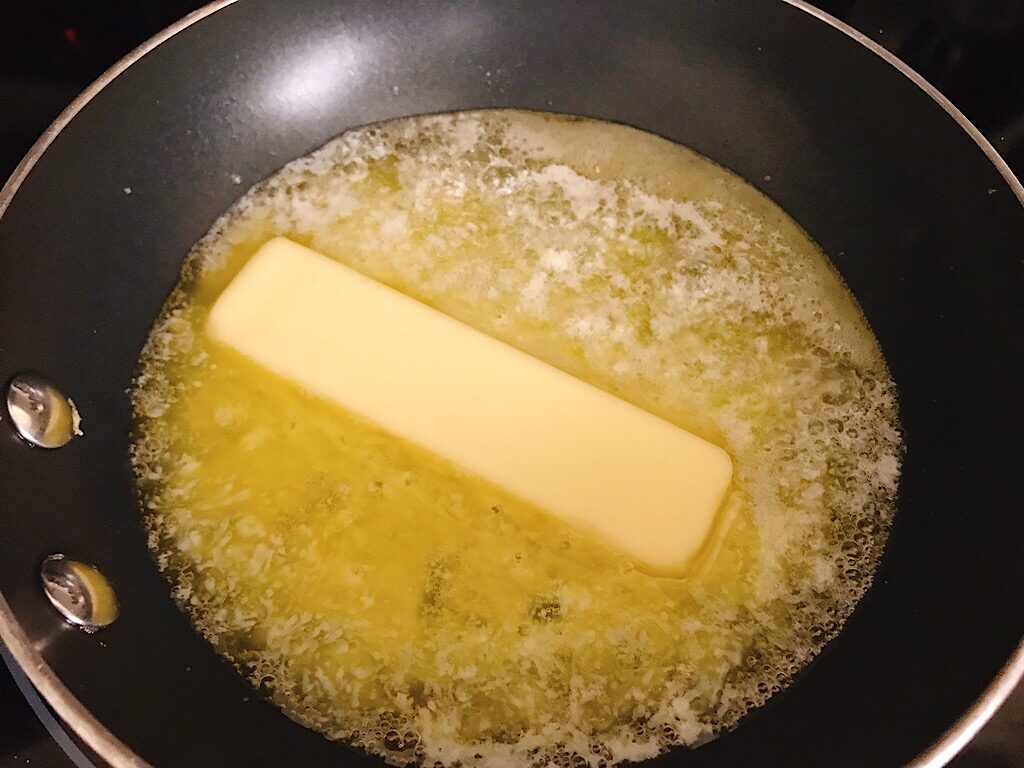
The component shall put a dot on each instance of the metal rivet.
(41, 413)
(79, 592)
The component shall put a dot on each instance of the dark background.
(50, 50)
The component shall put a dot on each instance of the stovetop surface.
(50, 50)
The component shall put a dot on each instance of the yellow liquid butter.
(382, 596)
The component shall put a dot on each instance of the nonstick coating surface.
(924, 228)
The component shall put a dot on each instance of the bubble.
(545, 609)
(850, 548)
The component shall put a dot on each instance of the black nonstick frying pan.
(916, 209)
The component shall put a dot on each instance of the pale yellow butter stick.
(645, 486)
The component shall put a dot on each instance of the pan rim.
(119, 755)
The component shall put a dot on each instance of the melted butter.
(382, 597)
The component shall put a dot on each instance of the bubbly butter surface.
(389, 598)
(647, 487)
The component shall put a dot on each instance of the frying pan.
(916, 209)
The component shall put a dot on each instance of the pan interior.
(387, 599)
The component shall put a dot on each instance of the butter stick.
(644, 486)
